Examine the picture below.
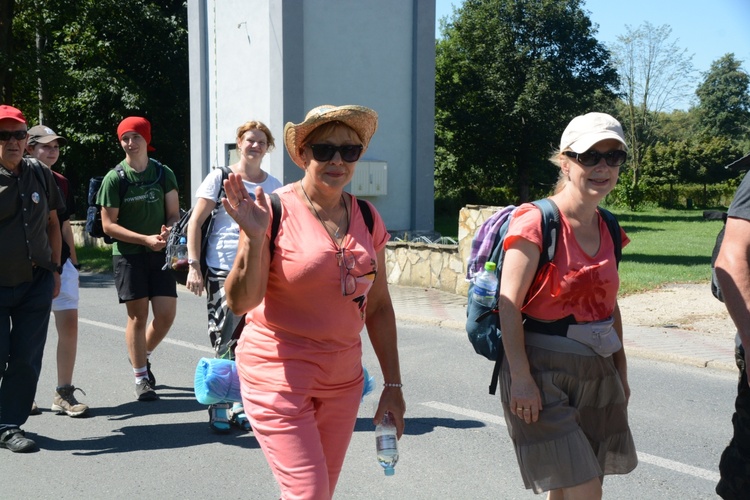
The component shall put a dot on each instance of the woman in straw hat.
(254, 140)
(565, 398)
(299, 357)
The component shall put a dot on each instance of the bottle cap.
(389, 471)
(490, 266)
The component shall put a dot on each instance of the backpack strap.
(124, 182)
(364, 207)
(37, 168)
(550, 233)
(276, 214)
(614, 231)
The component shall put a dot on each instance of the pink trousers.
(303, 438)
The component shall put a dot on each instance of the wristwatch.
(58, 269)
(192, 261)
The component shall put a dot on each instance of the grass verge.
(95, 259)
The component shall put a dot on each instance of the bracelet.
(388, 384)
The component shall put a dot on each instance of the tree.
(510, 74)
(82, 66)
(724, 100)
(655, 74)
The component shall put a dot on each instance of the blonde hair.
(256, 125)
(557, 158)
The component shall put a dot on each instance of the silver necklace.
(336, 235)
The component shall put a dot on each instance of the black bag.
(716, 215)
(180, 230)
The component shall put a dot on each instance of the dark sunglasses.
(18, 135)
(325, 152)
(592, 158)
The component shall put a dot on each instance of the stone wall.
(407, 263)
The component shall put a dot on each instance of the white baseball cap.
(586, 130)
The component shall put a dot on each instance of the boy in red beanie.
(140, 223)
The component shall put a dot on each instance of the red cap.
(136, 124)
(12, 113)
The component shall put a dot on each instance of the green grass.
(666, 246)
(95, 259)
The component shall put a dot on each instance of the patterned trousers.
(224, 327)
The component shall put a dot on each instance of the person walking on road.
(565, 401)
(300, 355)
(733, 274)
(29, 274)
(44, 145)
(140, 222)
(254, 140)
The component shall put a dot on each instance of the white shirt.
(225, 235)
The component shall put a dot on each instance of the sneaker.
(151, 378)
(218, 418)
(144, 391)
(35, 409)
(16, 441)
(66, 403)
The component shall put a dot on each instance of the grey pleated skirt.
(582, 431)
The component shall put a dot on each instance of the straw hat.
(364, 121)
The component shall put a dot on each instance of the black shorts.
(140, 275)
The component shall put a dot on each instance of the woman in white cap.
(299, 357)
(565, 403)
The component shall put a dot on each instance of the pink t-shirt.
(574, 282)
(305, 335)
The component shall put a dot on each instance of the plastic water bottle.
(485, 285)
(386, 444)
(181, 260)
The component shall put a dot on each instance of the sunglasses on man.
(325, 152)
(592, 158)
(18, 135)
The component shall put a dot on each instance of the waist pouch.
(600, 336)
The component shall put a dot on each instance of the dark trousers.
(734, 465)
(24, 317)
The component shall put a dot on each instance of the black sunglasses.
(592, 158)
(18, 135)
(325, 152)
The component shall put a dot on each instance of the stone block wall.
(426, 265)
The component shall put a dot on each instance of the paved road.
(456, 445)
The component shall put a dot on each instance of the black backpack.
(94, 226)
(483, 322)
(180, 230)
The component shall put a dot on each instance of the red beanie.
(136, 124)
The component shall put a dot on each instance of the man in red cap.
(139, 221)
(29, 274)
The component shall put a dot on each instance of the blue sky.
(708, 30)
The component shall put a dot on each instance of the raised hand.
(251, 212)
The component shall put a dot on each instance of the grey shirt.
(25, 204)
